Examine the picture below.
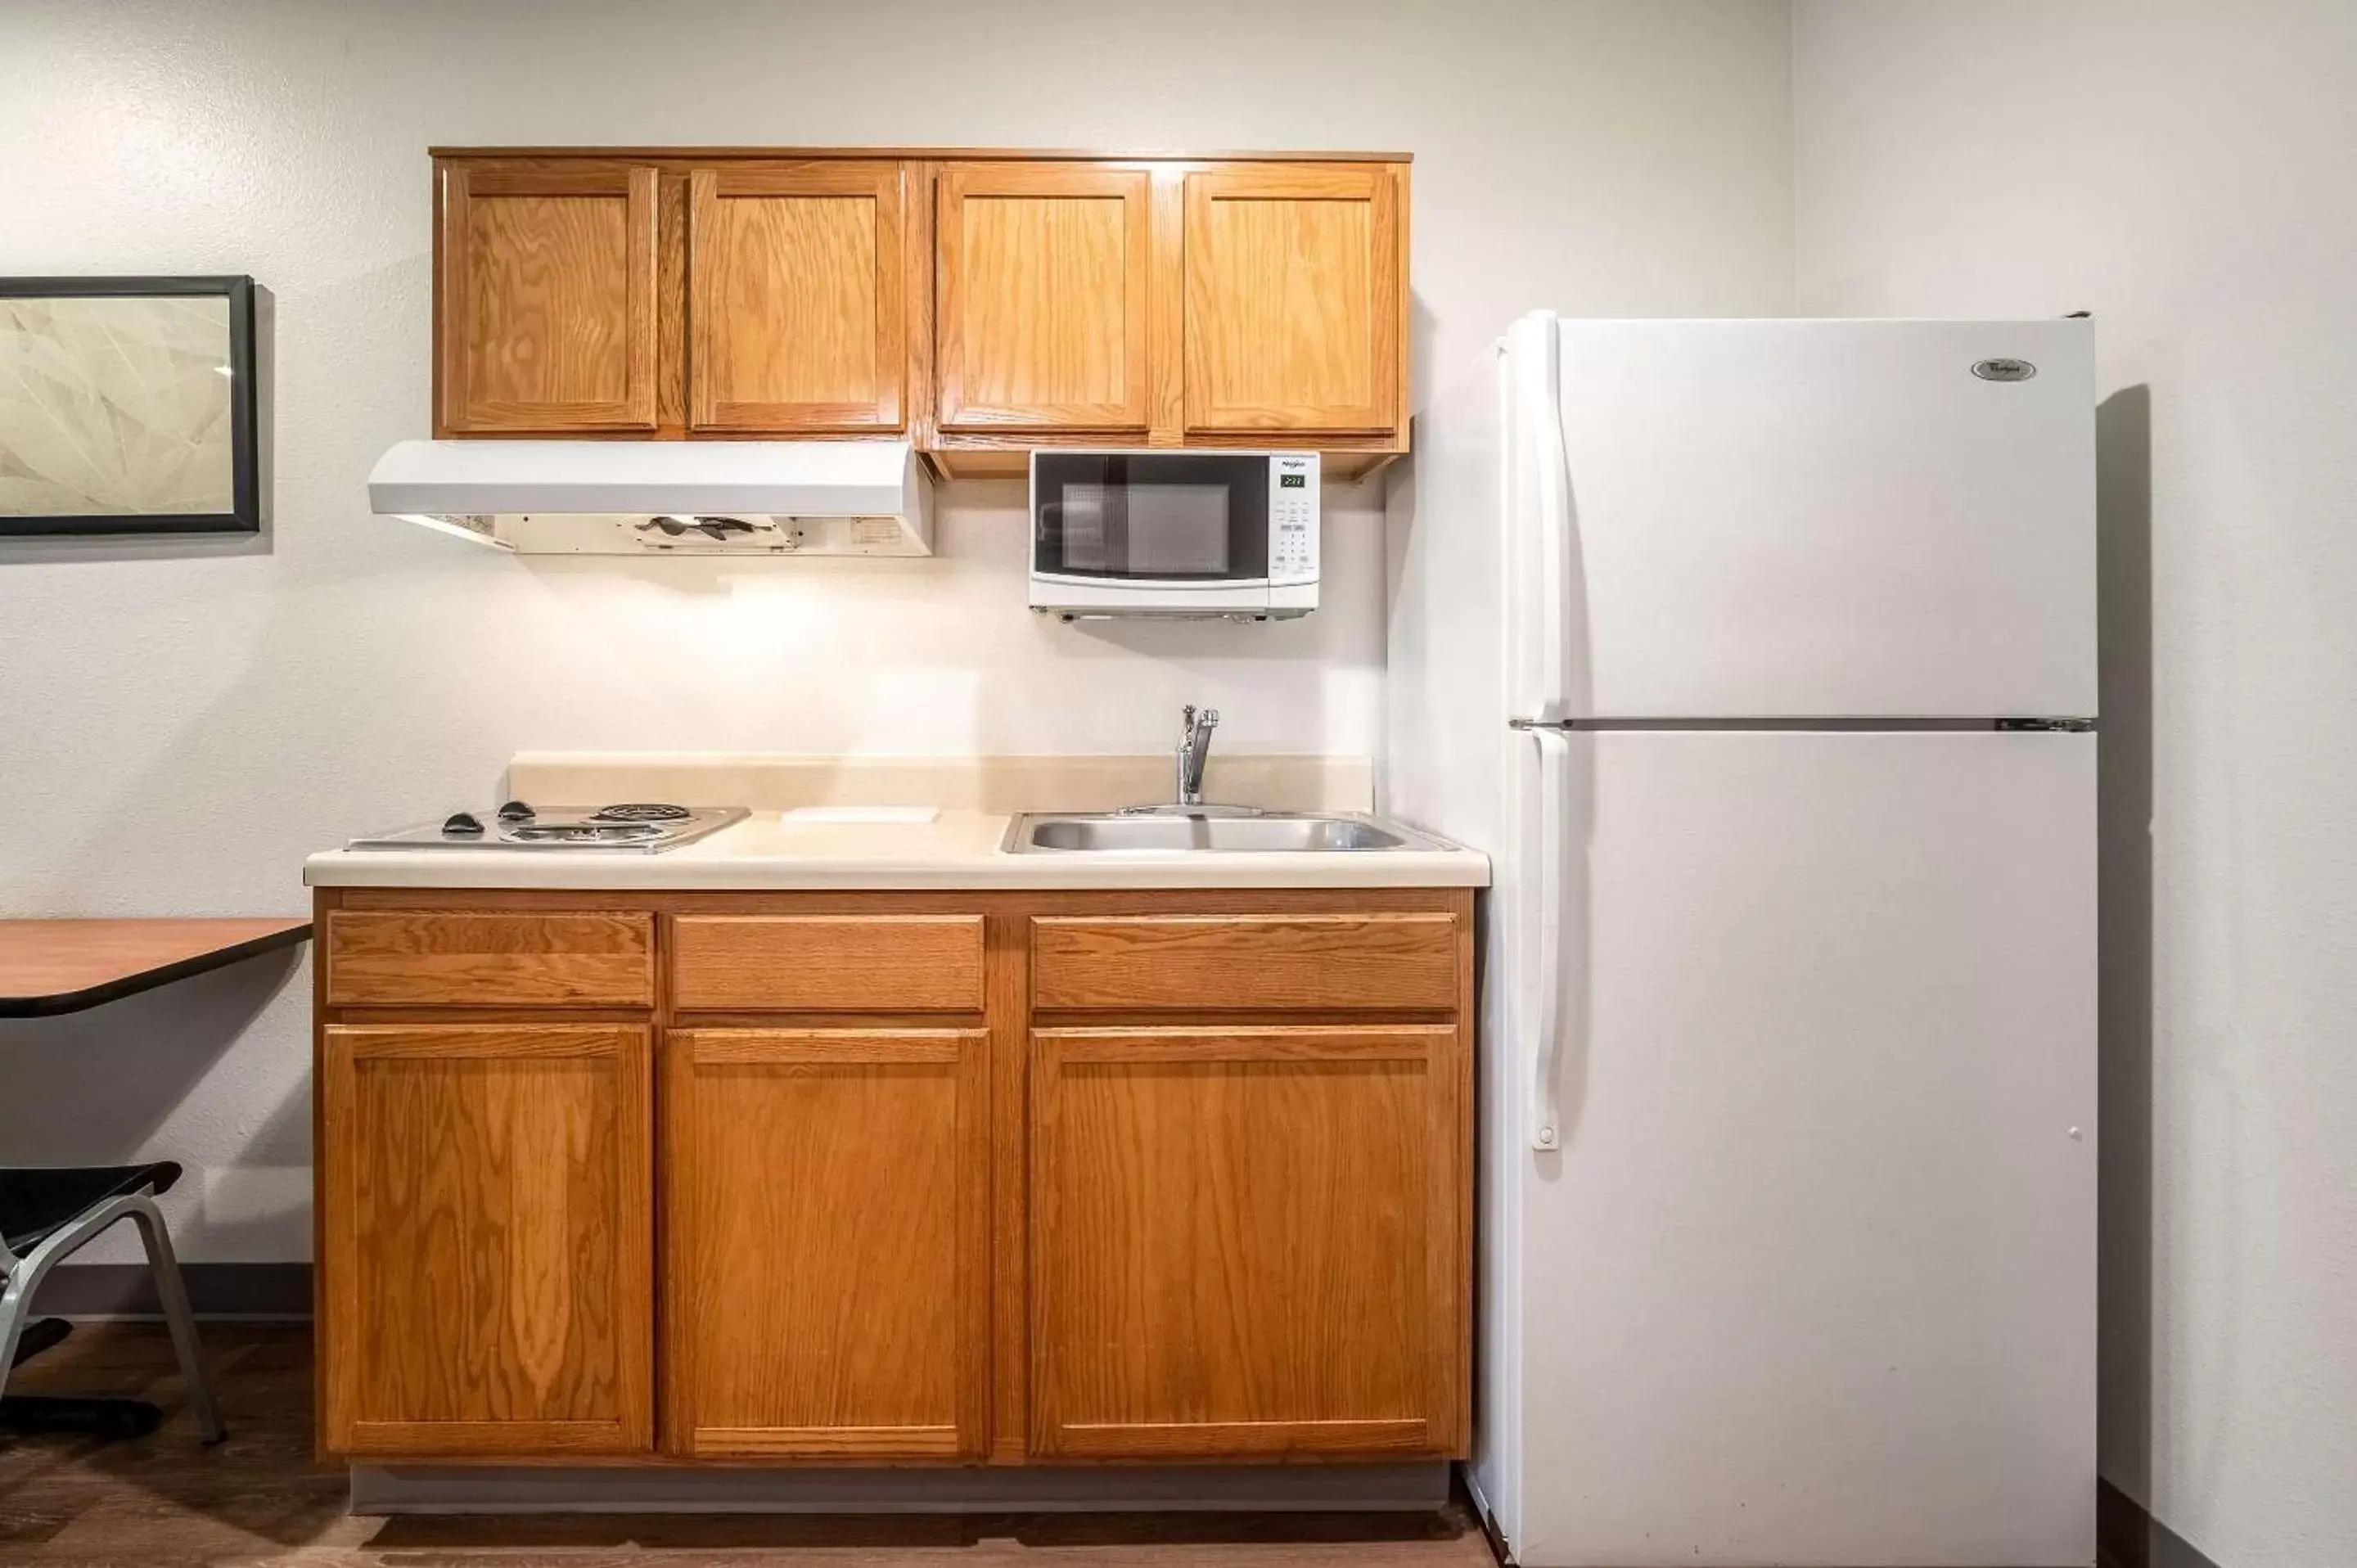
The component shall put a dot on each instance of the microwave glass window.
(1144, 517)
(1178, 530)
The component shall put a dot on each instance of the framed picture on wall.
(127, 405)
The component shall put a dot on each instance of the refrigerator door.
(1815, 518)
(1811, 1279)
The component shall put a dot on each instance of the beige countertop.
(959, 849)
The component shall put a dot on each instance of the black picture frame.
(246, 478)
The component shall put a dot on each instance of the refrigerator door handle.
(1536, 487)
(1554, 531)
(1554, 820)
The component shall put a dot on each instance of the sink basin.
(1274, 831)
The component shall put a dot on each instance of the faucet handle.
(1211, 718)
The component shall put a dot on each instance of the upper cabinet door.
(546, 305)
(1295, 279)
(1044, 282)
(797, 298)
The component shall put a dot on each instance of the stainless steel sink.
(1095, 832)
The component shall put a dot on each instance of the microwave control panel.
(1293, 517)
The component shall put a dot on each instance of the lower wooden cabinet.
(859, 1178)
(827, 1243)
(486, 1240)
(1242, 1242)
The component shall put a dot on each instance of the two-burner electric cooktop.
(642, 826)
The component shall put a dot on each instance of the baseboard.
(249, 1291)
(2130, 1538)
(1098, 1488)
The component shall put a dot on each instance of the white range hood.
(648, 497)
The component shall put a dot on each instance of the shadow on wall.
(1396, 484)
(2124, 574)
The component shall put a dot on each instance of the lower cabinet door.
(1247, 1243)
(826, 1243)
(487, 1247)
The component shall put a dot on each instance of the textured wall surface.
(2188, 173)
(192, 719)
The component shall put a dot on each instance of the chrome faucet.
(1194, 750)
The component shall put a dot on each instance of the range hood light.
(475, 529)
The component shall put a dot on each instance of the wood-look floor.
(164, 1502)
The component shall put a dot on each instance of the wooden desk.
(64, 966)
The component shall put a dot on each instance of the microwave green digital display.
(1293, 481)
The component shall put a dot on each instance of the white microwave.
(1174, 533)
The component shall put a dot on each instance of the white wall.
(2188, 171)
(192, 719)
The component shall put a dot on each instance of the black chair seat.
(36, 1201)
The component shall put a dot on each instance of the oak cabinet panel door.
(488, 1244)
(797, 298)
(1044, 281)
(1245, 1243)
(826, 1233)
(545, 301)
(1293, 281)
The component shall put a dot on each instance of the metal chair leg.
(15, 1306)
(174, 1294)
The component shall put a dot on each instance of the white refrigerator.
(1761, 657)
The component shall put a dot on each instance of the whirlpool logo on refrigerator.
(2005, 370)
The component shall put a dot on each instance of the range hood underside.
(643, 533)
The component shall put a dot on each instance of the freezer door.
(1828, 518)
(1811, 1278)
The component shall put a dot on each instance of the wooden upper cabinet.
(976, 303)
(1045, 275)
(545, 305)
(1296, 277)
(487, 1239)
(797, 297)
(826, 1229)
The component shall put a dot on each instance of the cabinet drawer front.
(827, 964)
(432, 958)
(1195, 963)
